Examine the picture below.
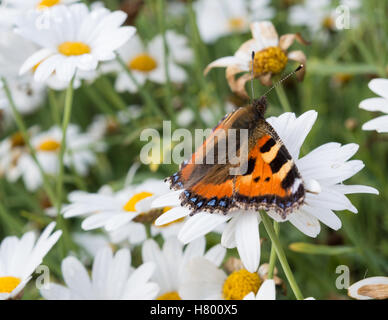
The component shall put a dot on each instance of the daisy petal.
(380, 87)
(199, 225)
(306, 223)
(248, 240)
(267, 290)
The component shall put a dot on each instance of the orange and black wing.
(271, 180)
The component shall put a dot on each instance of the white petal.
(380, 124)
(36, 58)
(351, 189)
(172, 215)
(380, 87)
(248, 240)
(55, 292)
(204, 280)
(216, 254)
(375, 104)
(199, 225)
(325, 215)
(228, 239)
(170, 199)
(267, 291)
(76, 277)
(306, 223)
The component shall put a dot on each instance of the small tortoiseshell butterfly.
(271, 181)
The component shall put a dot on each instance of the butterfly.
(271, 180)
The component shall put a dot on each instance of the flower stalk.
(145, 95)
(281, 255)
(272, 258)
(168, 99)
(23, 130)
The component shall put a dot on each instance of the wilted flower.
(270, 57)
(369, 288)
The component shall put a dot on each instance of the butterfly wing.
(271, 180)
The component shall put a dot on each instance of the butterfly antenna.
(253, 93)
(301, 66)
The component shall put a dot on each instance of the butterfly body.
(270, 179)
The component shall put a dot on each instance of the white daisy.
(112, 278)
(271, 57)
(320, 17)
(380, 87)
(26, 6)
(53, 82)
(204, 280)
(73, 39)
(172, 260)
(146, 62)
(323, 171)
(80, 154)
(27, 94)
(104, 124)
(11, 149)
(121, 214)
(219, 18)
(20, 257)
(369, 288)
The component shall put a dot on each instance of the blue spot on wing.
(212, 202)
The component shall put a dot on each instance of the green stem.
(22, 128)
(96, 98)
(272, 258)
(65, 124)
(55, 111)
(14, 224)
(281, 255)
(161, 18)
(110, 93)
(145, 95)
(65, 245)
(283, 98)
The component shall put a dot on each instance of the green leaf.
(320, 249)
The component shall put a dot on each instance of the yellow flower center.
(328, 23)
(8, 284)
(130, 205)
(49, 145)
(17, 140)
(47, 3)
(236, 23)
(173, 295)
(143, 62)
(271, 59)
(239, 284)
(70, 48)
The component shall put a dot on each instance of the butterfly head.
(260, 105)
